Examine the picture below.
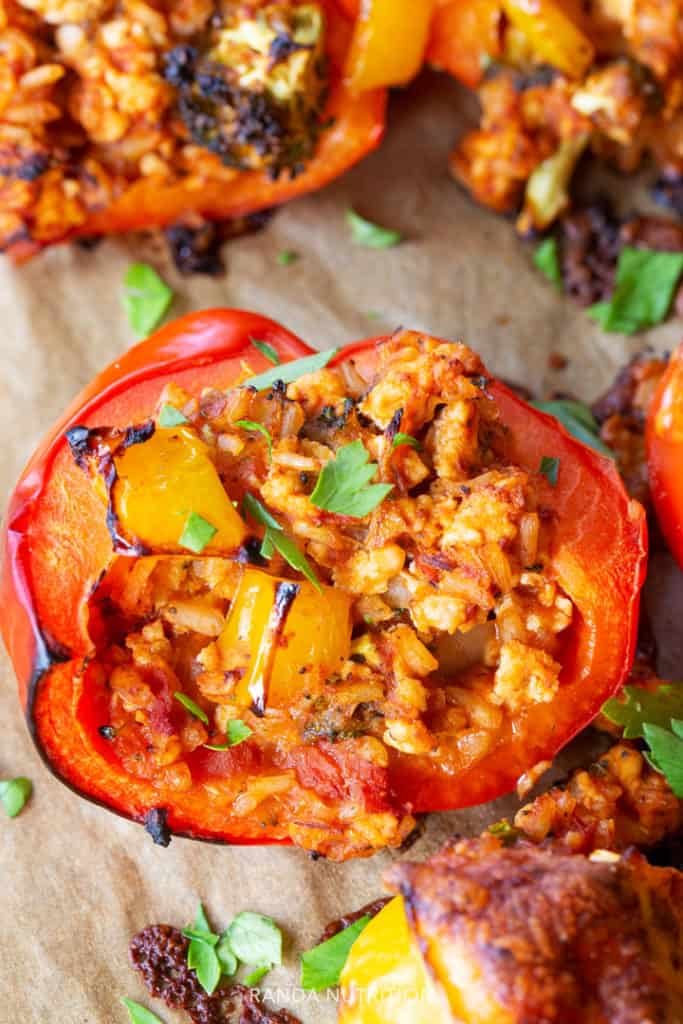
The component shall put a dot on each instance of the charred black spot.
(88, 242)
(394, 425)
(179, 64)
(283, 46)
(334, 420)
(668, 191)
(138, 434)
(78, 439)
(107, 732)
(26, 168)
(195, 250)
(155, 822)
(250, 552)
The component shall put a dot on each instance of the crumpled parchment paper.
(76, 882)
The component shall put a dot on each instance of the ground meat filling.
(456, 621)
(95, 96)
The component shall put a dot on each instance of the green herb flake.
(286, 257)
(14, 793)
(146, 298)
(275, 539)
(288, 372)
(641, 706)
(226, 957)
(645, 285)
(344, 487)
(197, 533)
(169, 416)
(269, 351)
(138, 1014)
(321, 966)
(253, 979)
(258, 428)
(504, 831)
(666, 752)
(408, 439)
(237, 732)
(372, 236)
(578, 420)
(191, 706)
(550, 469)
(255, 939)
(547, 259)
(202, 957)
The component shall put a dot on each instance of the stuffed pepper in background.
(555, 83)
(267, 600)
(119, 119)
(664, 442)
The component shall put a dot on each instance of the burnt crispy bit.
(159, 954)
(254, 94)
(155, 822)
(590, 249)
(341, 923)
(195, 248)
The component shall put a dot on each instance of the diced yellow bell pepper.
(553, 36)
(389, 43)
(296, 637)
(165, 479)
(385, 981)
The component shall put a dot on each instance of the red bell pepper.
(664, 443)
(357, 125)
(598, 557)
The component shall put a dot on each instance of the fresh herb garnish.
(656, 717)
(546, 259)
(550, 469)
(286, 257)
(197, 533)
(504, 831)
(146, 298)
(226, 957)
(275, 539)
(364, 232)
(659, 707)
(255, 976)
(400, 439)
(259, 428)
(236, 732)
(344, 484)
(645, 285)
(140, 1014)
(169, 416)
(287, 372)
(255, 939)
(269, 351)
(578, 420)
(202, 957)
(191, 706)
(322, 965)
(14, 793)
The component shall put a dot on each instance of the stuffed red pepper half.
(256, 593)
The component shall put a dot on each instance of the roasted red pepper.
(664, 442)
(57, 547)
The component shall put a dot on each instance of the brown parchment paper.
(76, 882)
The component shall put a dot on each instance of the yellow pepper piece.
(553, 36)
(286, 627)
(165, 479)
(389, 43)
(385, 981)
